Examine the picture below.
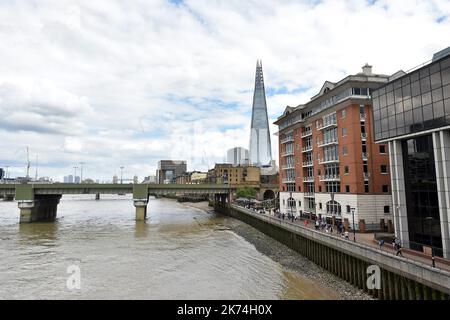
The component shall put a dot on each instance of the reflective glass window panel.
(406, 90)
(399, 108)
(418, 116)
(445, 63)
(398, 95)
(445, 76)
(427, 112)
(437, 94)
(414, 77)
(392, 123)
(375, 104)
(377, 126)
(415, 88)
(435, 80)
(391, 110)
(400, 120)
(376, 115)
(446, 91)
(426, 98)
(424, 72)
(390, 98)
(384, 124)
(438, 109)
(425, 84)
(397, 84)
(447, 107)
(389, 87)
(405, 80)
(407, 104)
(416, 102)
(408, 118)
(434, 68)
(382, 101)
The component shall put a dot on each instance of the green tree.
(246, 192)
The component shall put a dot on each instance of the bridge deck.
(24, 191)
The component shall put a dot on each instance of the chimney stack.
(367, 70)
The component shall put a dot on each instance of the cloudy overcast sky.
(126, 83)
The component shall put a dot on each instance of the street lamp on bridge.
(353, 218)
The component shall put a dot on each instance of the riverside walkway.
(368, 240)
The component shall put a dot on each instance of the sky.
(127, 83)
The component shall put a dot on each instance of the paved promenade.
(368, 239)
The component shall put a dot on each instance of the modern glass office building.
(260, 147)
(412, 114)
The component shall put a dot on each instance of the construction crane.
(28, 164)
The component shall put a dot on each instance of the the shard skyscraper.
(260, 148)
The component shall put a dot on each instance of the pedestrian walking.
(346, 235)
(398, 247)
(381, 244)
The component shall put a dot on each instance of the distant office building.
(234, 175)
(168, 170)
(260, 147)
(237, 156)
(412, 115)
(149, 179)
(68, 179)
(195, 177)
(2, 173)
(135, 179)
(115, 179)
(77, 179)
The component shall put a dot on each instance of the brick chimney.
(367, 70)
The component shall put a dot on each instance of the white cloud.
(116, 83)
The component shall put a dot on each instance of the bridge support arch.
(41, 208)
(141, 209)
(140, 200)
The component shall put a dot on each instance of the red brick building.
(329, 163)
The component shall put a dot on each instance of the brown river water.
(180, 252)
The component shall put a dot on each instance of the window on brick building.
(346, 170)
(344, 132)
(383, 168)
(347, 188)
(382, 149)
(344, 151)
(320, 188)
(385, 188)
(366, 188)
(343, 113)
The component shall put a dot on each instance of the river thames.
(180, 252)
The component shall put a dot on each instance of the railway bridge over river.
(39, 202)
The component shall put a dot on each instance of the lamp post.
(75, 175)
(353, 218)
(81, 172)
(430, 220)
(121, 177)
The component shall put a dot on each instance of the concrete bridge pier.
(141, 209)
(97, 196)
(42, 208)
